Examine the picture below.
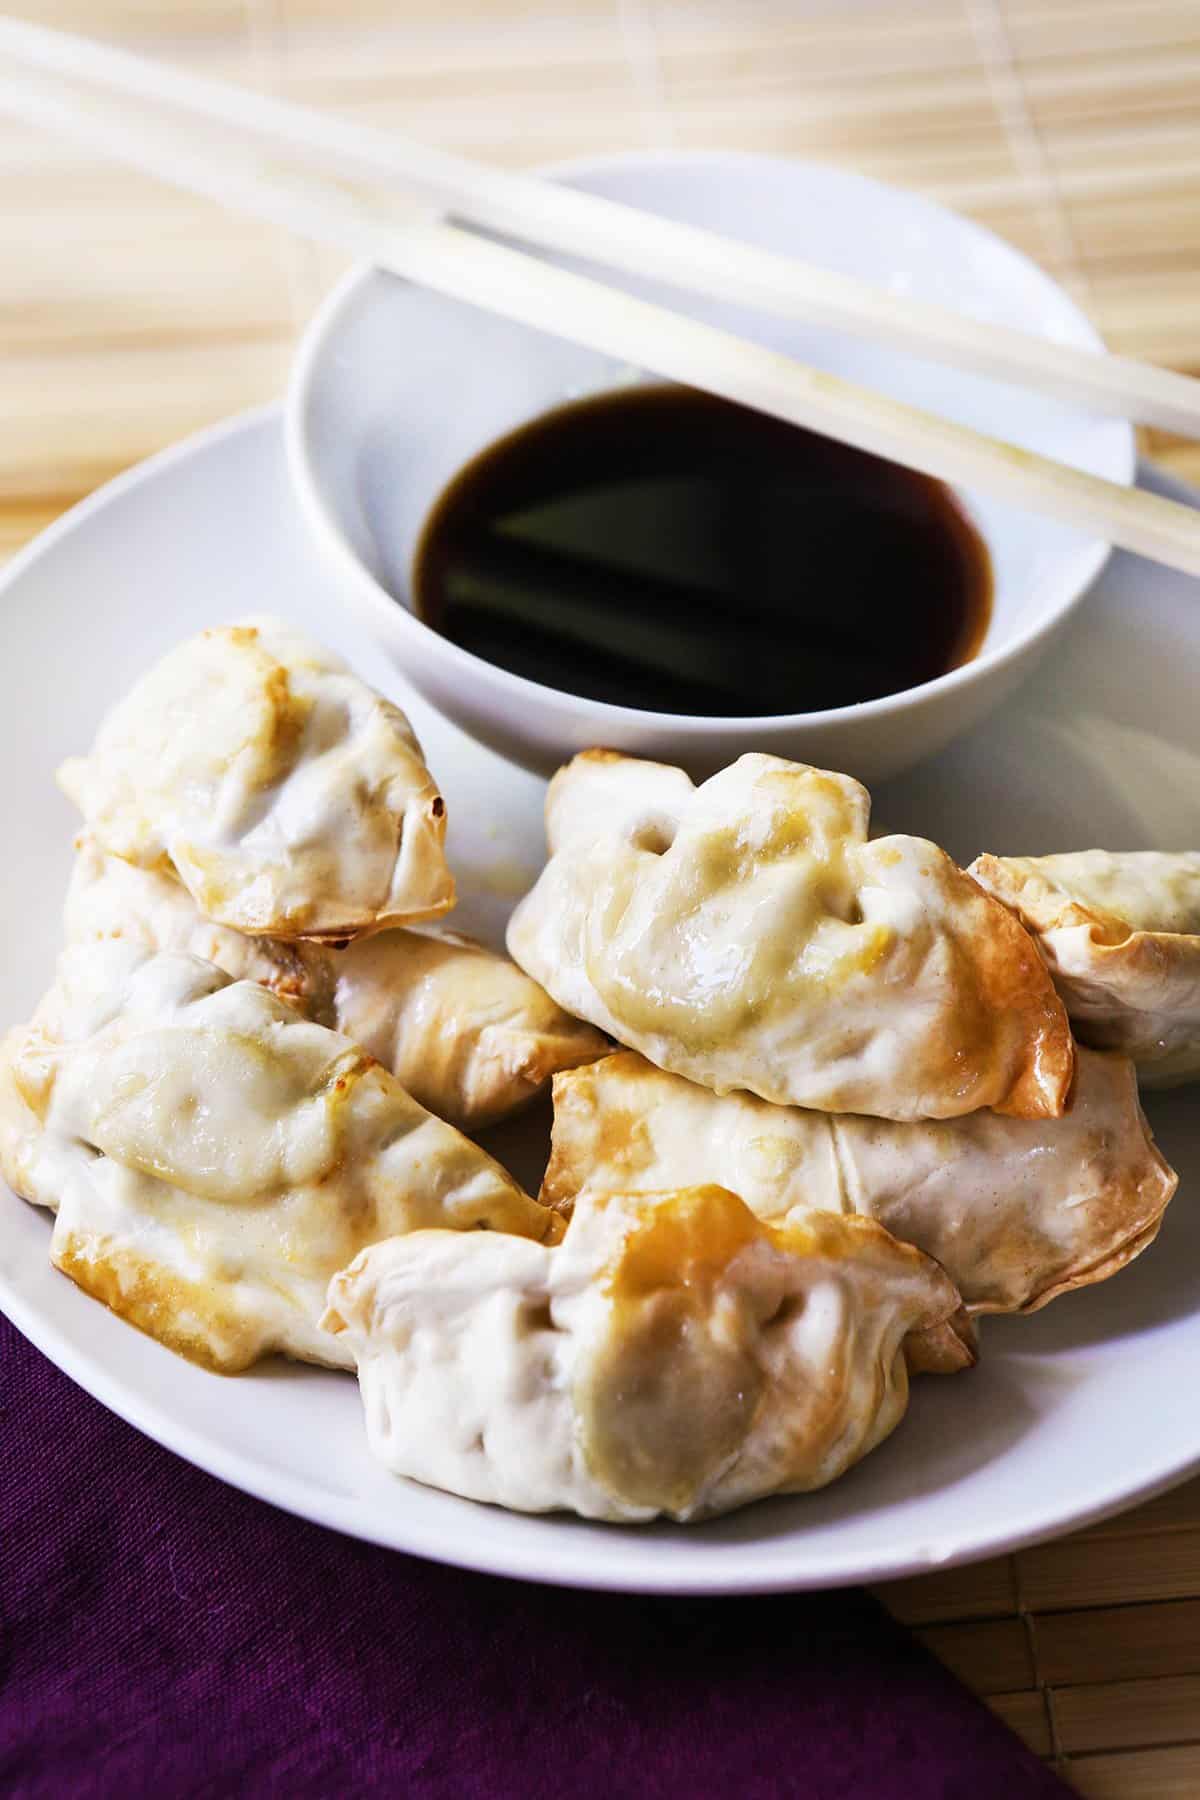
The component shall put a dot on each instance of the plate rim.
(549, 1563)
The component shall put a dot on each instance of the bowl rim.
(393, 614)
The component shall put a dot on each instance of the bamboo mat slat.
(130, 315)
(1145, 1775)
(1177, 1510)
(1027, 1714)
(1127, 1643)
(993, 1656)
(1114, 1715)
(1110, 1571)
(980, 1590)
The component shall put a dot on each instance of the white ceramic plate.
(1076, 1412)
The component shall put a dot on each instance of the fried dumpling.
(672, 1356)
(1015, 1210)
(467, 1032)
(110, 900)
(1120, 934)
(747, 934)
(469, 1035)
(289, 797)
(213, 1158)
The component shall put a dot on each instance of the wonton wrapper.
(672, 1356)
(289, 797)
(1015, 1210)
(747, 935)
(214, 1159)
(464, 1030)
(1120, 934)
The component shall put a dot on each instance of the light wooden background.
(129, 315)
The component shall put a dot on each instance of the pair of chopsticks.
(379, 197)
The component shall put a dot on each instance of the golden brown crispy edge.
(943, 1349)
(1016, 982)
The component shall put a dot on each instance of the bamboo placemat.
(130, 315)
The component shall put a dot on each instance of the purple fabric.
(162, 1634)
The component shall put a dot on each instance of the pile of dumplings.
(818, 1103)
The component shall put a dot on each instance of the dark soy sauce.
(660, 548)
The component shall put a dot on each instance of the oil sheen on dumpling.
(1015, 1210)
(470, 1035)
(673, 1356)
(288, 796)
(213, 1158)
(1120, 934)
(747, 934)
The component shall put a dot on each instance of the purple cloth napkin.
(162, 1634)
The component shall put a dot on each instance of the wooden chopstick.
(563, 219)
(456, 262)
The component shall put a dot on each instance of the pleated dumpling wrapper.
(110, 900)
(213, 1158)
(1015, 1210)
(672, 1356)
(746, 934)
(470, 1035)
(1120, 933)
(289, 797)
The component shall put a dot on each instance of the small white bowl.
(395, 388)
